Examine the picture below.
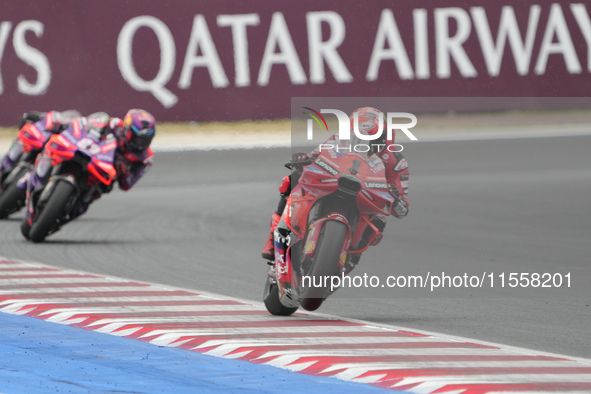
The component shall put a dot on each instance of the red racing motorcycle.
(326, 221)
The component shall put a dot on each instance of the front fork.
(282, 238)
(40, 184)
(37, 181)
(287, 277)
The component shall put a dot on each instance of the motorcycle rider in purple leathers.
(132, 134)
(53, 122)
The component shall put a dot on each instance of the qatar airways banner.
(225, 60)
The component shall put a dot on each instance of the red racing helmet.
(369, 122)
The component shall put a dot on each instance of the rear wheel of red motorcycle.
(324, 263)
(47, 219)
(271, 299)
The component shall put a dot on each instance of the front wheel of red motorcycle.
(324, 263)
(272, 303)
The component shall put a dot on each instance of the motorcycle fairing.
(32, 138)
(64, 146)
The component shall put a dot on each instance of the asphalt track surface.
(199, 219)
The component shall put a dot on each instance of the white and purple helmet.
(140, 128)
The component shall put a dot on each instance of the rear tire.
(311, 304)
(272, 303)
(54, 209)
(324, 263)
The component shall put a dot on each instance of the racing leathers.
(130, 167)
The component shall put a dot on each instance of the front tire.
(324, 264)
(54, 210)
(272, 303)
(12, 198)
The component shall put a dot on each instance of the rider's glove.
(300, 158)
(393, 190)
(399, 207)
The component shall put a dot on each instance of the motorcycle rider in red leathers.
(397, 176)
(133, 136)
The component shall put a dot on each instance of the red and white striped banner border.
(383, 356)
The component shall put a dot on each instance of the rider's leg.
(269, 249)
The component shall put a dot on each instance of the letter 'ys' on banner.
(28, 54)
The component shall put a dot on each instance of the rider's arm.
(53, 122)
(397, 176)
(130, 171)
(116, 123)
